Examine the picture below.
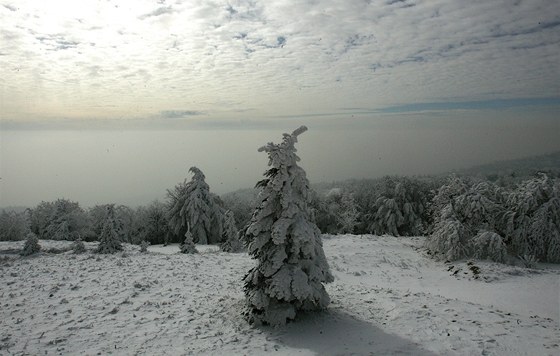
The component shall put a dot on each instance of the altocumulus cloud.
(279, 58)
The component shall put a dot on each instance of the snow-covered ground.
(388, 298)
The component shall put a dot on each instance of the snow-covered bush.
(242, 203)
(192, 204)
(336, 212)
(523, 222)
(231, 243)
(110, 238)
(489, 245)
(285, 241)
(78, 246)
(450, 239)
(14, 226)
(400, 209)
(68, 221)
(531, 221)
(188, 245)
(464, 210)
(150, 224)
(31, 245)
(528, 261)
(144, 246)
(40, 218)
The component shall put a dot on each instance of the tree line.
(494, 217)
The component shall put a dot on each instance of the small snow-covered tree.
(188, 245)
(287, 244)
(110, 238)
(192, 204)
(31, 245)
(78, 246)
(231, 235)
(144, 246)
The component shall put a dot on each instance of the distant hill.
(522, 167)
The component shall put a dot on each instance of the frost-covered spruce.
(144, 246)
(231, 235)
(188, 245)
(192, 204)
(109, 240)
(287, 244)
(78, 246)
(31, 245)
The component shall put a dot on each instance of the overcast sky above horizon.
(386, 87)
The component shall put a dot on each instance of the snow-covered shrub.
(531, 222)
(231, 243)
(40, 218)
(450, 239)
(144, 246)
(400, 209)
(188, 245)
(192, 204)
(336, 212)
(110, 238)
(529, 261)
(67, 222)
(150, 224)
(78, 246)
(31, 245)
(242, 203)
(489, 245)
(285, 241)
(464, 210)
(14, 226)
(125, 216)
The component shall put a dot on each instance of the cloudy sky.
(386, 87)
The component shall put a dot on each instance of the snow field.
(387, 298)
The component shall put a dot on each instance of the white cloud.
(132, 59)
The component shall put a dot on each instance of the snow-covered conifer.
(31, 245)
(192, 204)
(287, 244)
(110, 238)
(188, 245)
(231, 235)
